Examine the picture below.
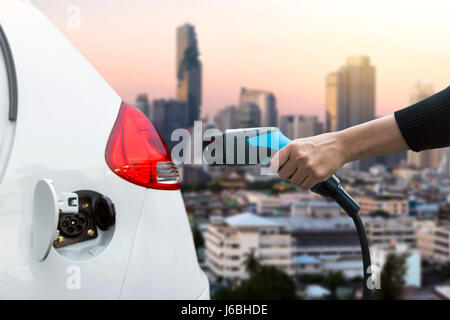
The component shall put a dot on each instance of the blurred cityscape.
(260, 237)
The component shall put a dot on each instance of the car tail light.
(137, 153)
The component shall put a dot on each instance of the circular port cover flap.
(104, 213)
(45, 218)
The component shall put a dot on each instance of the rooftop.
(316, 203)
(250, 220)
(316, 291)
(427, 207)
(306, 259)
(293, 223)
(443, 291)
(339, 265)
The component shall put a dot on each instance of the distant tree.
(224, 294)
(380, 213)
(251, 263)
(359, 182)
(262, 185)
(314, 278)
(335, 280)
(215, 186)
(357, 279)
(200, 187)
(193, 187)
(392, 278)
(446, 270)
(199, 241)
(268, 283)
(425, 263)
(186, 187)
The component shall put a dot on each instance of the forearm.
(424, 125)
(374, 138)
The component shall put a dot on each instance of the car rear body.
(65, 114)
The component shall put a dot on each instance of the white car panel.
(163, 236)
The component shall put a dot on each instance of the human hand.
(308, 161)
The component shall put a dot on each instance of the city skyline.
(289, 56)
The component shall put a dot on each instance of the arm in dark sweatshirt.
(426, 124)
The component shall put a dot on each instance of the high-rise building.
(189, 71)
(248, 115)
(226, 118)
(427, 158)
(350, 98)
(444, 166)
(420, 91)
(265, 101)
(143, 104)
(350, 94)
(300, 126)
(331, 118)
(169, 115)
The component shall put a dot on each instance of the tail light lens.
(137, 153)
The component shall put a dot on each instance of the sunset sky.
(284, 46)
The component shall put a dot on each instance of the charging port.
(94, 211)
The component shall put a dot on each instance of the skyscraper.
(300, 126)
(265, 101)
(168, 115)
(426, 158)
(420, 91)
(350, 94)
(143, 104)
(248, 115)
(226, 118)
(350, 98)
(189, 72)
(331, 122)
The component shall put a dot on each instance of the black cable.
(351, 207)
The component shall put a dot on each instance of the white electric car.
(90, 206)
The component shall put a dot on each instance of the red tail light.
(136, 152)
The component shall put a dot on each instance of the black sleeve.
(426, 124)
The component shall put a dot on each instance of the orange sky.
(284, 46)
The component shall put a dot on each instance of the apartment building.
(394, 205)
(296, 245)
(442, 243)
(229, 241)
(315, 209)
(444, 213)
(382, 231)
(425, 241)
(426, 211)
(323, 245)
(264, 204)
